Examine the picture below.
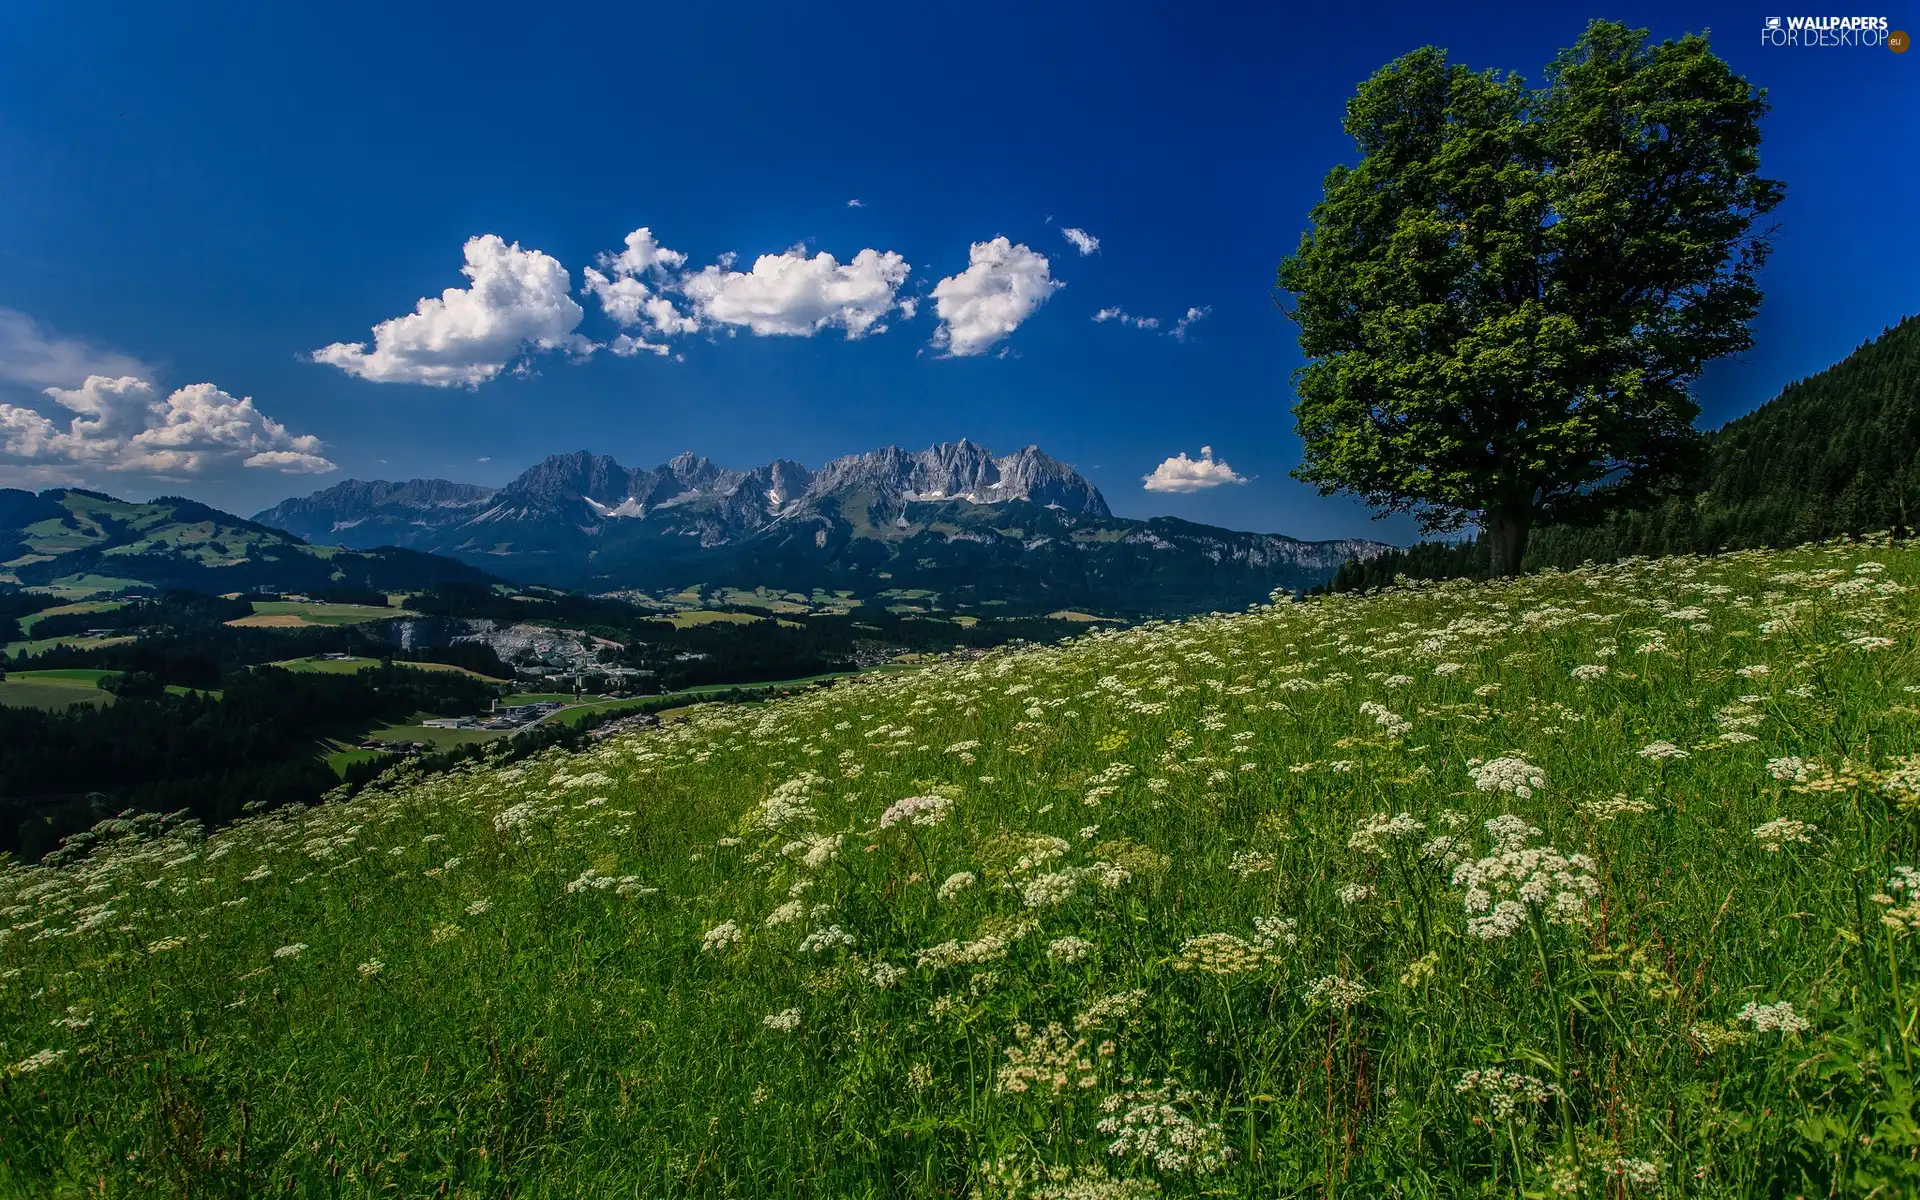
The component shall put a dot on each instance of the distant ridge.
(70, 536)
(1021, 529)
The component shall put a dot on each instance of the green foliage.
(1504, 301)
(1183, 910)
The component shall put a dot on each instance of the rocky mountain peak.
(962, 470)
(1045, 480)
(564, 478)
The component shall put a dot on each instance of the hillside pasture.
(1602, 883)
(52, 689)
(294, 614)
(353, 666)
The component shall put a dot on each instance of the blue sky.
(208, 193)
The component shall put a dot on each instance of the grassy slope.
(495, 981)
(93, 606)
(68, 685)
(337, 666)
(303, 612)
(40, 645)
(51, 689)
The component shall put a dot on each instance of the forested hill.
(76, 539)
(1836, 453)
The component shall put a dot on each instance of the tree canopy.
(1505, 301)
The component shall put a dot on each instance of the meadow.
(1596, 883)
(60, 687)
(53, 689)
(297, 614)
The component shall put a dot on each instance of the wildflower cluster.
(1153, 1122)
(1508, 1094)
(1516, 880)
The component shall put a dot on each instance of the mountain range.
(1022, 530)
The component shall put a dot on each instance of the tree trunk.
(1507, 530)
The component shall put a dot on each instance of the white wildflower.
(1512, 775)
(1377, 834)
(1069, 949)
(1219, 954)
(1516, 879)
(1270, 933)
(1792, 769)
(785, 1021)
(38, 1061)
(1636, 1173)
(1148, 1123)
(1773, 1018)
(1335, 991)
(1390, 722)
(1614, 807)
(1776, 836)
(1506, 1092)
(916, 810)
(1249, 863)
(822, 940)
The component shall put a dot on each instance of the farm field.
(79, 587)
(336, 666)
(52, 689)
(90, 606)
(294, 614)
(34, 646)
(68, 685)
(1597, 883)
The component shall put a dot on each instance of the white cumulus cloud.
(1125, 318)
(1002, 286)
(518, 301)
(121, 424)
(794, 295)
(1082, 241)
(628, 286)
(1183, 474)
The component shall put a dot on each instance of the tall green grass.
(1587, 884)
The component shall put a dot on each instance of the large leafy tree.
(1504, 303)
